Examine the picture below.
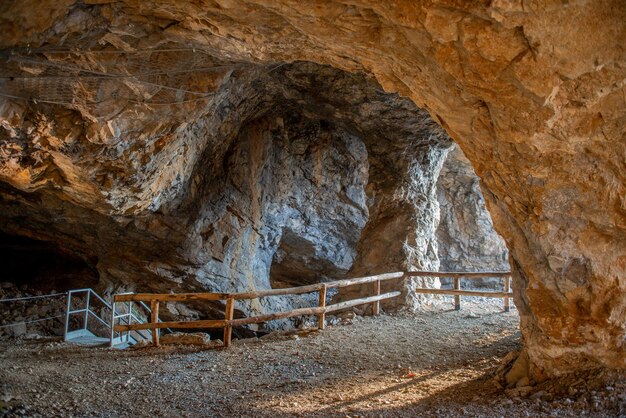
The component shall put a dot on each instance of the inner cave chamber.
(218, 160)
(323, 176)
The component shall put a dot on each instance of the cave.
(29, 263)
(184, 147)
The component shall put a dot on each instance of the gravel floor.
(436, 363)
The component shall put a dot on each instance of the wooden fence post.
(154, 319)
(457, 298)
(376, 305)
(228, 329)
(321, 318)
(507, 289)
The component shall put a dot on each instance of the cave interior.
(221, 148)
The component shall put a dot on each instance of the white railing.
(86, 312)
(128, 318)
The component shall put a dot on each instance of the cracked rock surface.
(287, 175)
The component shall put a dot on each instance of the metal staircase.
(84, 323)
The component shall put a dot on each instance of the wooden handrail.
(313, 311)
(464, 293)
(201, 323)
(465, 275)
(316, 287)
(183, 297)
(169, 297)
(457, 292)
(321, 310)
(229, 322)
(221, 323)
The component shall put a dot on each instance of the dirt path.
(437, 363)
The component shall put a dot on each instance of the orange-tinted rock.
(533, 93)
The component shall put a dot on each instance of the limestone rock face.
(466, 238)
(533, 93)
(276, 178)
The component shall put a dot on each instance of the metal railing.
(127, 318)
(86, 312)
(28, 299)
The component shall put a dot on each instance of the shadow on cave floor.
(435, 363)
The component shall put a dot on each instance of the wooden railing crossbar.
(221, 323)
(181, 297)
(461, 274)
(320, 311)
(229, 322)
(457, 292)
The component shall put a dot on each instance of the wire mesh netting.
(86, 78)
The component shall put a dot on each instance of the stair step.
(89, 340)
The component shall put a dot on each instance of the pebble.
(538, 395)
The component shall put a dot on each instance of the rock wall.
(467, 240)
(532, 92)
(279, 177)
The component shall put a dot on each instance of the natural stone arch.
(533, 94)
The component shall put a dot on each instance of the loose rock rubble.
(20, 311)
(435, 363)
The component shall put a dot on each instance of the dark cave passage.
(43, 266)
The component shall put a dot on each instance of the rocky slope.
(532, 92)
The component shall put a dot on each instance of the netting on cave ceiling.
(83, 79)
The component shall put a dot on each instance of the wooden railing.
(320, 311)
(229, 321)
(457, 292)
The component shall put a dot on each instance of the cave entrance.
(352, 197)
(467, 240)
(33, 265)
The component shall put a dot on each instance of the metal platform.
(85, 337)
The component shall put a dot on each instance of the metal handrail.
(100, 319)
(102, 300)
(145, 306)
(127, 317)
(88, 289)
(86, 310)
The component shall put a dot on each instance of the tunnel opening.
(467, 240)
(36, 274)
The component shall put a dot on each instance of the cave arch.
(537, 106)
(320, 164)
